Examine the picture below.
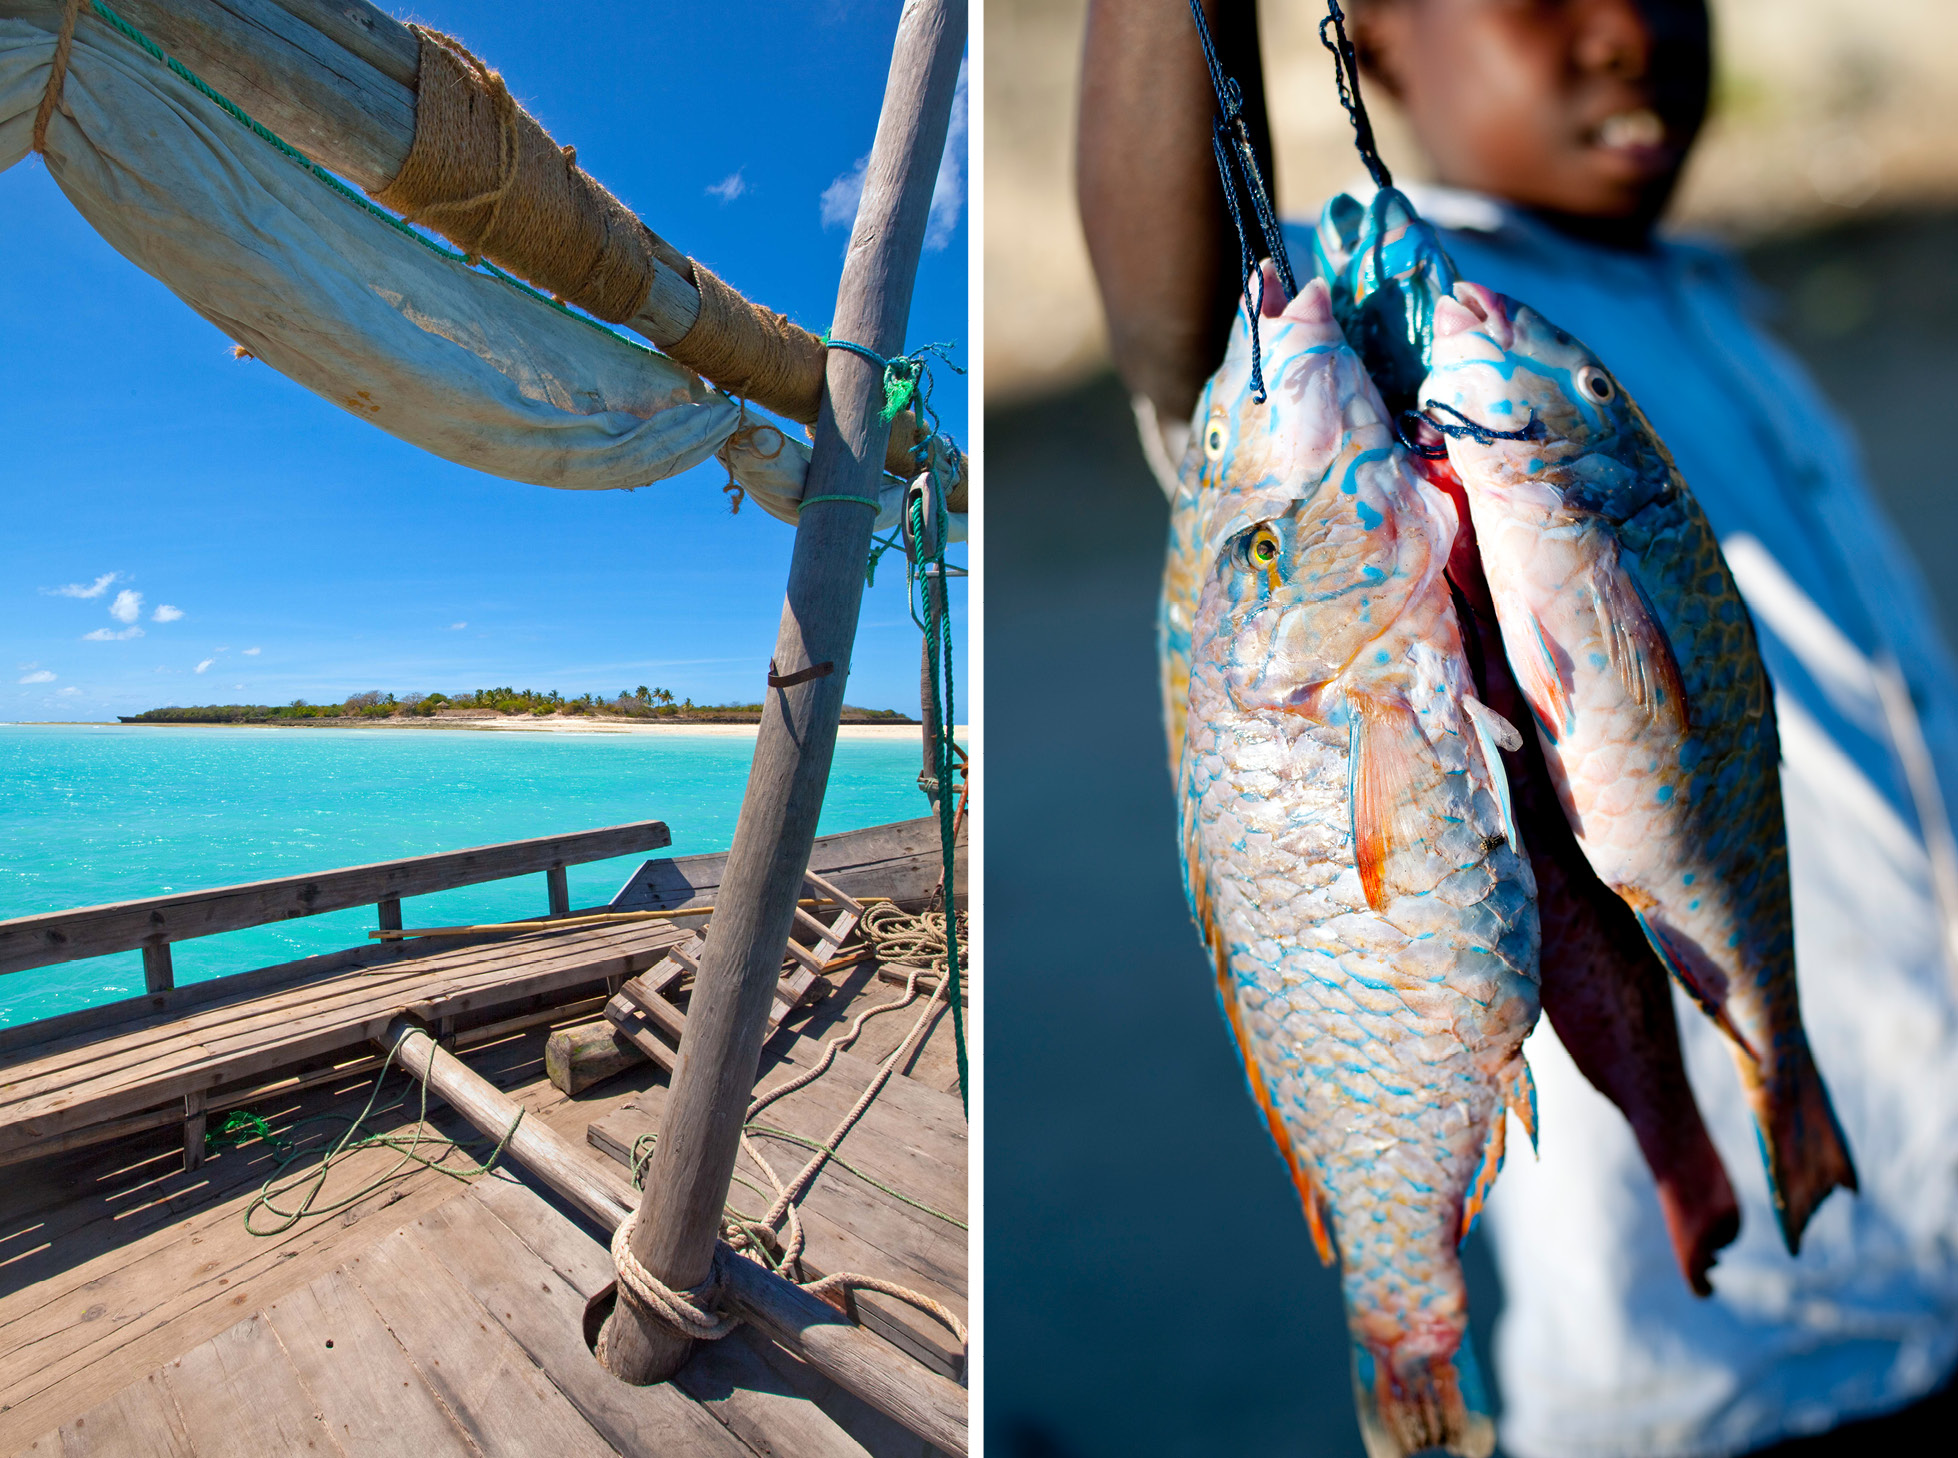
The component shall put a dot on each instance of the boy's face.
(1579, 107)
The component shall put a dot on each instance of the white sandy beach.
(529, 724)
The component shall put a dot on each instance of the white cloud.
(39, 675)
(166, 614)
(128, 606)
(237, 685)
(205, 664)
(948, 192)
(842, 197)
(68, 693)
(253, 652)
(104, 635)
(94, 589)
(457, 627)
(729, 187)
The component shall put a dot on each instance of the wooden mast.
(687, 1182)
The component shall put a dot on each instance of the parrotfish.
(1349, 848)
(1653, 710)
(1604, 990)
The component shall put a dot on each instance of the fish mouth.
(1475, 309)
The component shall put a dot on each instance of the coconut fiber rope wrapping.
(64, 45)
(485, 175)
(753, 352)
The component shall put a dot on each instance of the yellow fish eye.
(1595, 383)
(1213, 437)
(1264, 546)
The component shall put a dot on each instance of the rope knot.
(692, 1311)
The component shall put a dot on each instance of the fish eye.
(1263, 550)
(1213, 437)
(1596, 383)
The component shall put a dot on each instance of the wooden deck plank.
(240, 1397)
(735, 1383)
(141, 1418)
(370, 1396)
(544, 1314)
(498, 1395)
(133, 1261)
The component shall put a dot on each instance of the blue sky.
(185, 527)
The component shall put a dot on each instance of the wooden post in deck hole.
(390, 914)
(560, 885)
(679, 1214)
(195, 1104)
(158, 975)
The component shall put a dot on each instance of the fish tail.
(1802, 1143)
(1421, 1403)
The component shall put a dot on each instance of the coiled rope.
(917, 944)
(418, 1150)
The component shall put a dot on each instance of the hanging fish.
(1604, 990)
(1349, 850)
(1639, 662)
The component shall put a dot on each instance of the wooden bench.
(162, 1067)
(178, 1053)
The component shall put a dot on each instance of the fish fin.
(1428, 1402)
(1540, 676)
(1637, 645)
(1392, 762)
(1696, 980)
(1485, 1173)
(1492, 732)
(1519, 1092)
(1802, 1143)
(1304, 1178)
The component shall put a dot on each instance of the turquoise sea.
(92, 814)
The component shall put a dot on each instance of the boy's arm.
(1151, 204)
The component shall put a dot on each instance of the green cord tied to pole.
(907, 377)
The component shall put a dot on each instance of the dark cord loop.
(1472, 430)
(1346, 76)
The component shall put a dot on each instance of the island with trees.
(643, 704)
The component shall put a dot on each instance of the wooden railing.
(152, 924)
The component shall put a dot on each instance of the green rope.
(241, 1125)
(869, 501)
(938, 635)
(313, 1182)
(816, 1146)
(907, 377)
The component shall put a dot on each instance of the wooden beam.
(158, 974)
(152, 923)
(559, 887)
(924, 1402)
(194, 1120)
(337, 79)
(727, 1017)
(389, 914)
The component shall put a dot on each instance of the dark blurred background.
(1150, 1285)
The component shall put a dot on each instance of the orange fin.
(1540, 676)
(1519, 1093)
(1485, 1175)
(1807, 1153)
(1303, 1178)
(1392, 765)
(1637, 645)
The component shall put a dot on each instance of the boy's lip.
(1635, 136)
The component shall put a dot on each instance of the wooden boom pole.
(687, 1182)
(339, 80)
